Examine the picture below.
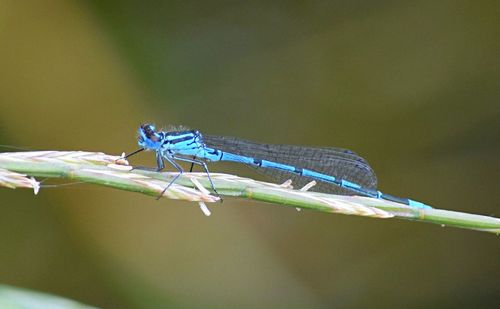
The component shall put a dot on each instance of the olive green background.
(413, 86)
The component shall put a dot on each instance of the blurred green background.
(413, 86)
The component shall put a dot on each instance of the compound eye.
(149, 132)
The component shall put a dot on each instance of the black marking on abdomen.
(395, 199)
(298, 171)
(257, 162)
(182, 139)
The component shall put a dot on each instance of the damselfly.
(337, 170)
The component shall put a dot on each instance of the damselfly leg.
(204, 165)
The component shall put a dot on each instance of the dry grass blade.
(114, 171)
(14, 180)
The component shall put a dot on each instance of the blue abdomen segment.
(217, 155)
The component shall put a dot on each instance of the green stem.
(98, 168)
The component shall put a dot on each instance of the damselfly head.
(148, 138)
